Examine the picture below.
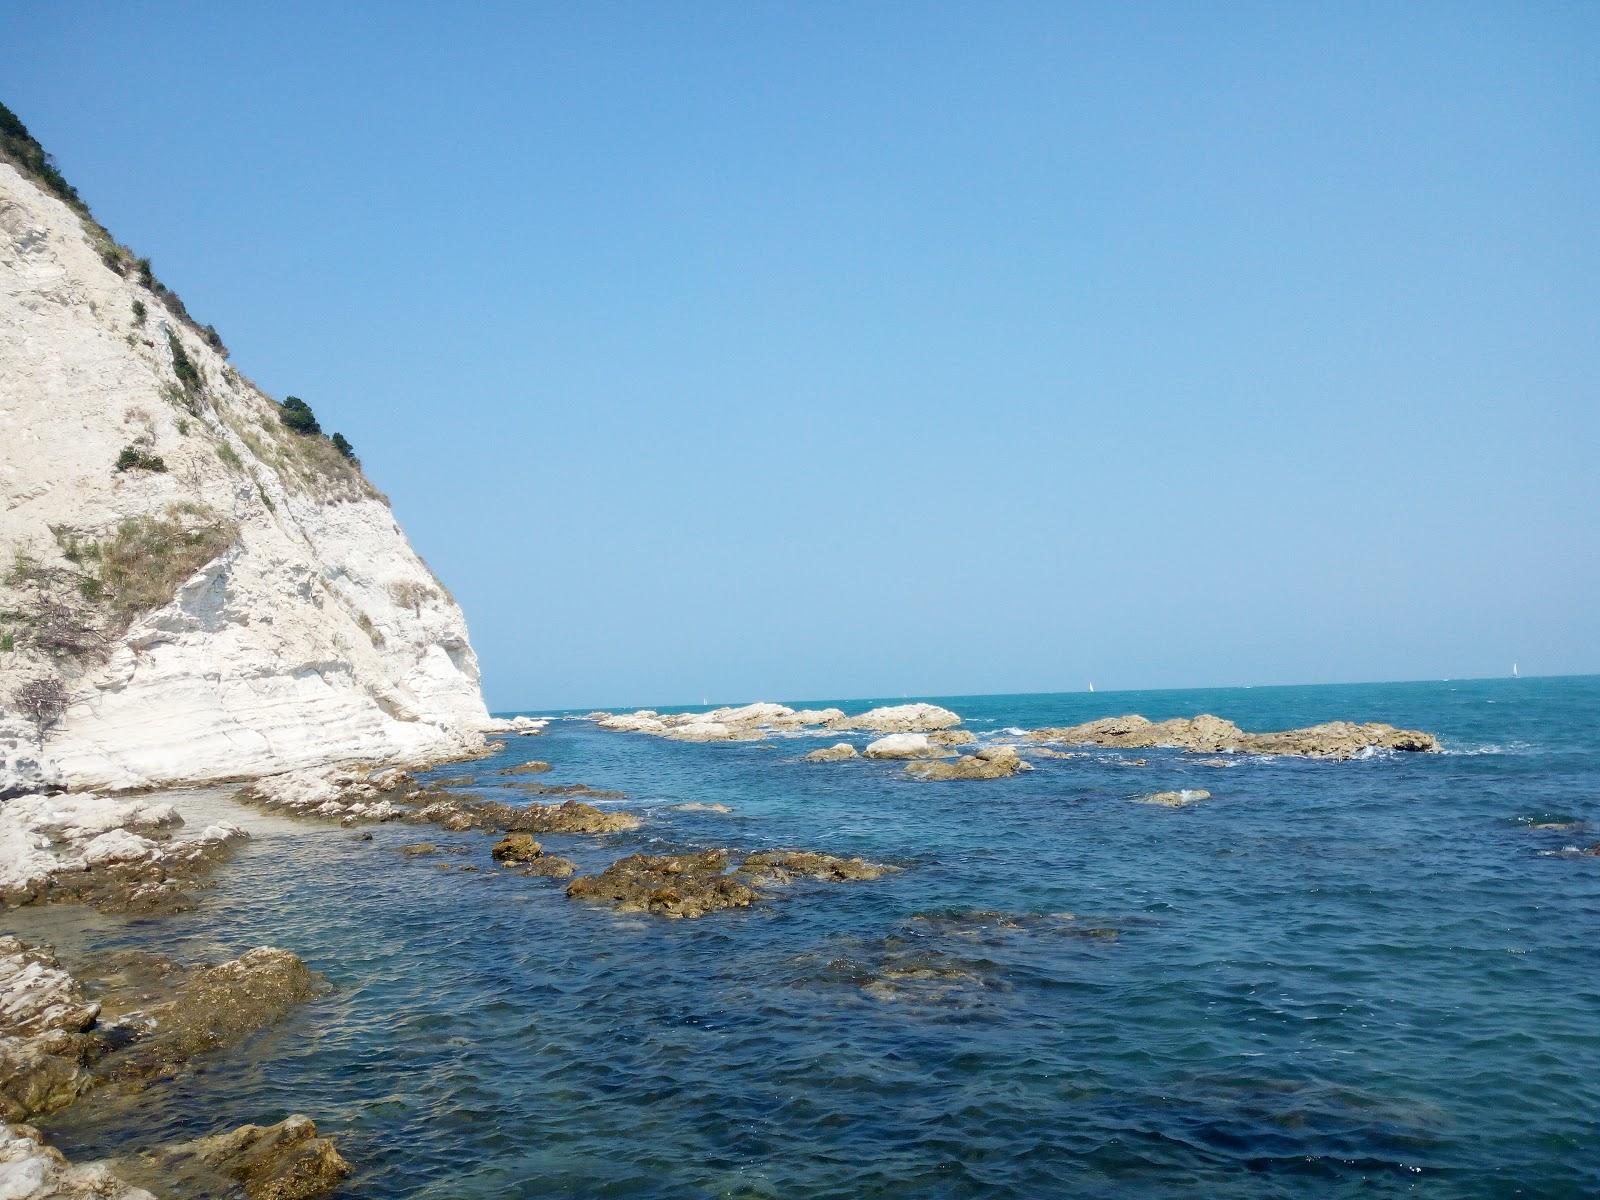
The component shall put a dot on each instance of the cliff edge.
(211, 587)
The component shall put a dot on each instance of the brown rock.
(1207, 734)
(532, 767)
(838, 752)
(214, 1007)
(668, 885)
(992, 762)
(286, 1161)
(416, 848)
(516, 848)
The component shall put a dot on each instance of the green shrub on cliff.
(297, 415)
(22, 148)
(343, 446)
(134, 459)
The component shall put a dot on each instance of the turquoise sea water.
(1367, 978)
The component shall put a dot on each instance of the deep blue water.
(1331, 979)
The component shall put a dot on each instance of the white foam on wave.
(1489, 748)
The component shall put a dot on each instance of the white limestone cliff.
(316, 635)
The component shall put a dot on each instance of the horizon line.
(910, 698)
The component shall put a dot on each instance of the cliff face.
(236, 600)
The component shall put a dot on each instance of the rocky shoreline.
(63, 1043)
(136, 1017)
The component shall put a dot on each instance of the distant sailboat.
(1514, 673)
(1091, 685)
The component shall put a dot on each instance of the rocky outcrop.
(1176, 799)
(899, 718)
(707, 881)
(785, 866)
(666, 885)
(45, 1038)
(992, 762)
(247, 606)
(147, 1019)
(286, 1161)
(1206, 734)
(517, 726)
(570, 816)
(838, 752)
(905, 745)
(749, 722)
(350, 797)
(117, 855)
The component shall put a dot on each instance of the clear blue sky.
(756, 350)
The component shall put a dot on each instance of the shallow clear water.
(1331, 979)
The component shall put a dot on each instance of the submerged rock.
(213, 1007)
(1207, 734)
(992, 762)
(531, 767)
(838, 752)
(699, 806)
(667, 885)
(904, 745)
(1174, 799)
(415, 848)
(286, 1161)
(568, 789)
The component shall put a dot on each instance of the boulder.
(516, 848)
(992, 762)
(838, 752)
(904, 745)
